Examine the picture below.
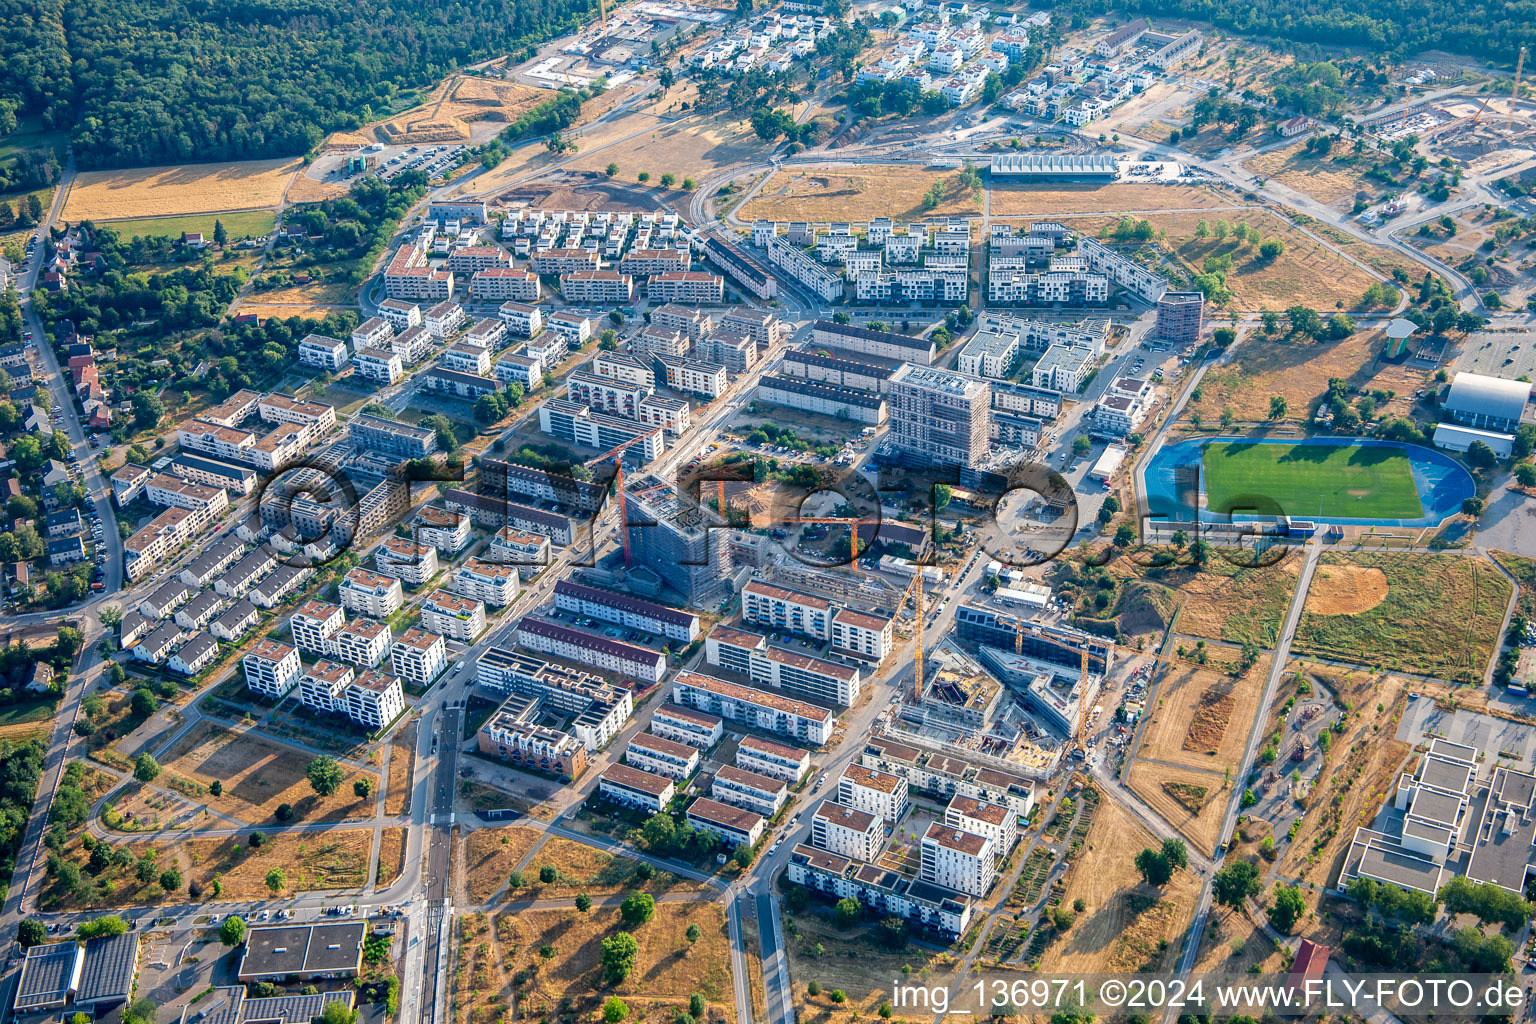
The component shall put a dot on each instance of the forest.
(1492, 30)
(141, 83)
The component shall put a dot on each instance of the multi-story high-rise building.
(374, 700)
(322, 686)
(857, 835)
(938, 417)
(683, 543)
(461, 618)
(370, 593)
(1180, 317)
(272, 668)
(957, 859)
(418, 656)
(879, 793)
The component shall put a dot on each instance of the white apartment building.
(846, 832)
(414, 564)
(444, 319)
(322, 686)
(418, 656)
(861, 635)
(487, 333)
(363, 643)
(412, 345)
(687, 287)
(377, 364)
(661, 756)
(494, 583)
(521, 319)
(460, 618)
(879, 793)
(373, 700)
(998, 823)
(635, 788)
(771, 712)
(445, 531)
(786, 610)
(804, 268)
(374, 332)
(322, 353)
(597, 287)
(957, 860)
(314, 625)
(400, 314)
(735, 826)
(370, 593)
(769, 757)
(762, 794)
(687, 725)
(466, 358)
(271, 668)
(528, 552)
(502, 284)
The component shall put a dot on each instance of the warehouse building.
(1046, 167)
(1487, 403)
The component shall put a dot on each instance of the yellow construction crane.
(852, 524)
(1514, 93)
(1479, 115)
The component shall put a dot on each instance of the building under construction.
(1057, 695)
(681, 541)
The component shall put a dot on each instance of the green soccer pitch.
(1305, 480)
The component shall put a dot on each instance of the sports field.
(1326, 481)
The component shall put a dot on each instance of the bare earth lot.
(1202, 718)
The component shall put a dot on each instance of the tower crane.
(617, 455)
(852, 524)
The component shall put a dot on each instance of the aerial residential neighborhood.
(780, 512)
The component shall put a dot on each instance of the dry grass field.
(1218, 601)
(1326, 180)
(1300, 371)
(402, 751)
(391, 856)
(594, 872)
(490, 854)
(694, 147)
(1440, 614)
(1176, 794)
(184, 188)
(856, 964)
(1232, 944)
(876, 190)
(330, 860)
(1360, 773)
(1019, 200)
(258, 775)
(1202, 718)
(1125, 923)
(284, 310)
(668, 968)
(1307, 273)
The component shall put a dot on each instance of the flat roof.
(751, 695)
(303, 949)
(766, 746)
(782, 594)
(738, 818)
(883, 782)
(624, 602)
(844, 817)
(47, 975)
(662, 745)
(992, 814)
(693, 715)
(953, 838)
(751, 780)
(634, 778)
(110, 965)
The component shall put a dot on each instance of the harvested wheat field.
(1192, 801)
(1011, 199)
(1202, 718)
(490, 854)
(583, 868)
(391, 856)
(304, 189)
(668, 968)
(258, 775)
(861, 194)
(1440, 615)
(1125, 921)
(1300, 372)
(184, 188)
(1346, 589)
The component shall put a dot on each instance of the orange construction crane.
(852, 524)
(617, 455)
